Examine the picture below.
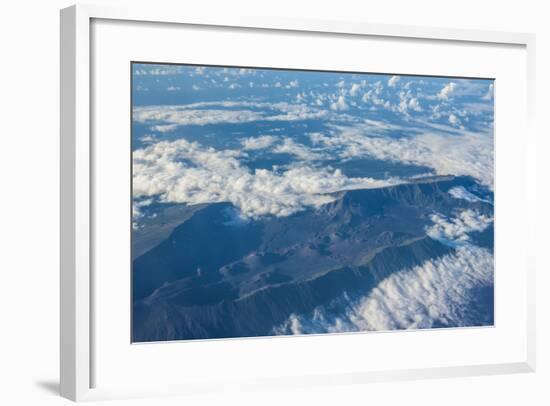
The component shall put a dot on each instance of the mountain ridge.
(208, 272)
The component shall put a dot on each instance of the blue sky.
(273, 142)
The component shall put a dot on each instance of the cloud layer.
(173, 116)
(186, 172)
(456, 229)
(434, 293)
(467, 153)
(459, 192)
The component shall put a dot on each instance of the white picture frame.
(77, 357)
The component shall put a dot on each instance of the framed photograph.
(277, 202)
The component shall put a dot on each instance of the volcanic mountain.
(207, 274)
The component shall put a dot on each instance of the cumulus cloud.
(301, 97)
(164, 128)
(148, 138)
(340, 104)
(407, 102)
(455, 230)
(446, 91)
(292, 84)
(465, 153)
(413, 104)
(436, 292)
(289, 146)
(373, 96)
(186, 172)
(454, 119)
(393, 81)
(354, 90)
(261, 142)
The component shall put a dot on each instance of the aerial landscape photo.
(270, 202)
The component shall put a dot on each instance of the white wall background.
(29, 204)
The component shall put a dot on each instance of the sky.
(275, 142)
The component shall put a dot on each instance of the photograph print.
(270, 202)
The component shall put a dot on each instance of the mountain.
(214, 277)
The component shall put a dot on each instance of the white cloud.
(438, 291)
(379, 127)
(292, 84)
(378, 88)
(244, 71)
(148, 138)
(173, 88)
(165, 70)
(459, 192)
(300, 97)
(393, 81)
(407, 102)
(354, 90)
(456, 229)
(173, 116)
(465, 153)
(137, 213)
(453, 119)
(261, 142)
(489, 94)
(436, 112)
(294, 112)
(164, 128)
(169, 117)
(366, 96)
(373, 96)
(414, 104)
(478, 109)
(447, 90)
(289, 146)
(340, 104)
(186, 172)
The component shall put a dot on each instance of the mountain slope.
(214, 277)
